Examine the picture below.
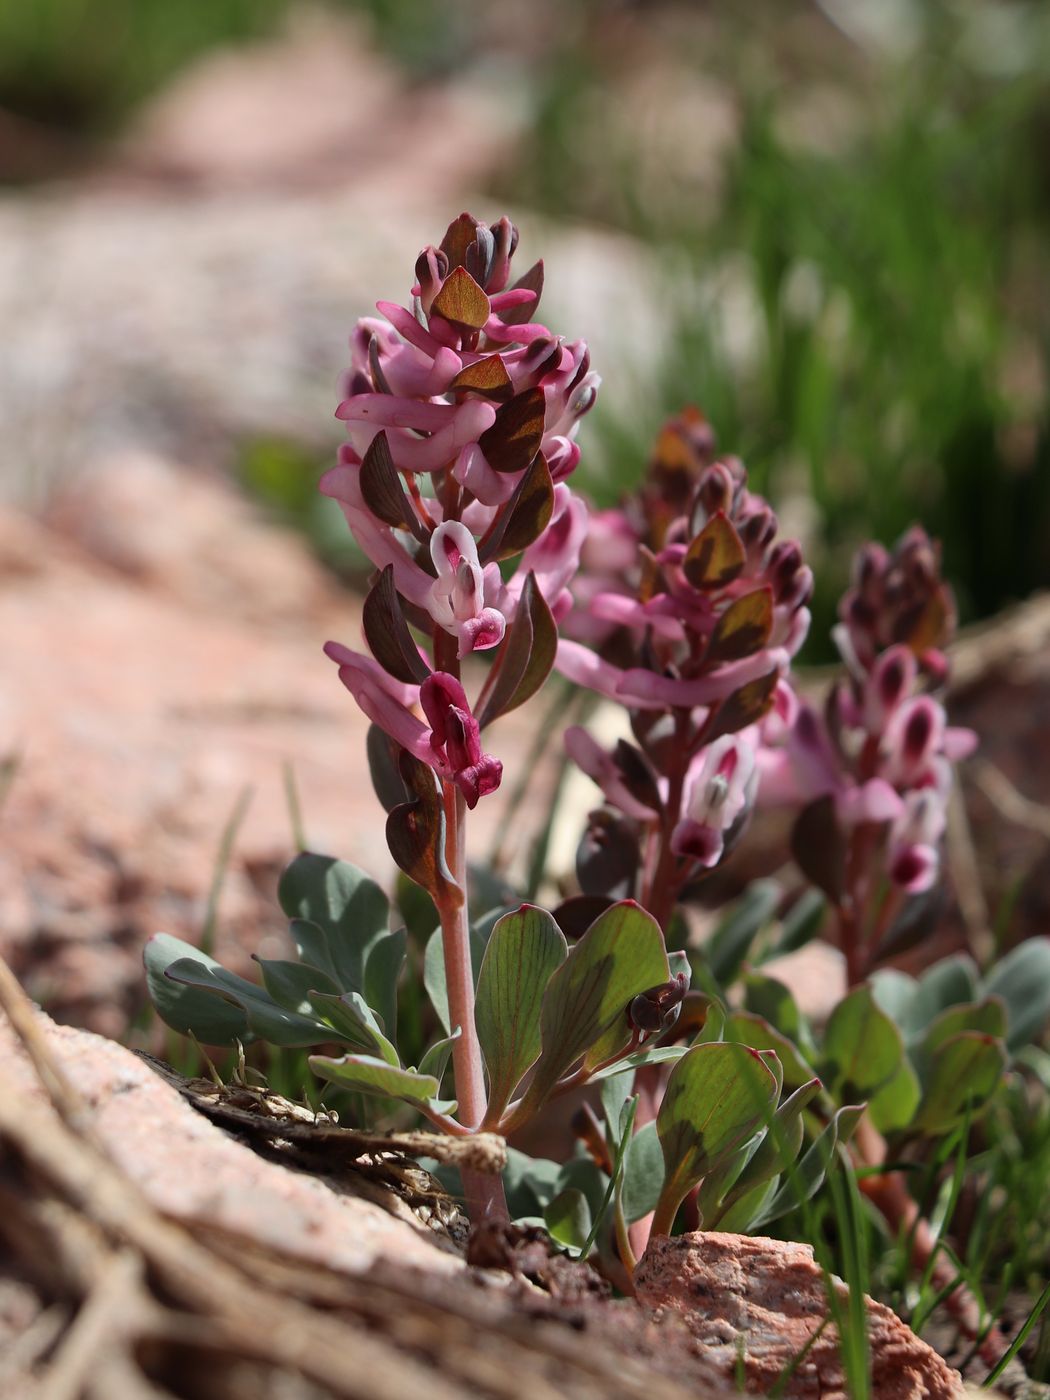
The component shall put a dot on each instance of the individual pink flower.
(450, 741)
(455, 738)
(457, 595)
(720, 791)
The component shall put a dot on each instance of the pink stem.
(484, 1191)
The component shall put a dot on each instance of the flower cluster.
(693, 628)
(461, 414)
(882, 749)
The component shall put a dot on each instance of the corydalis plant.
(693, 613)
(873, 770)
(461, 413)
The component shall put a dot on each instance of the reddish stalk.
(484, 1192)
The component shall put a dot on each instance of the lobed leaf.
(352, 1019)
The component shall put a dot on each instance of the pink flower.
(457, 595)
(451, 745)
(455, 738)
(720, 791)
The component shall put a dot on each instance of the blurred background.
(826, 222)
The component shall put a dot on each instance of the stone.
(756, 1303)
(192, 1171)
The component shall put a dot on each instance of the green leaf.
(963, 1074)
(805, 1179)
(265, 1018)
(620, 955)
(643, 1174)
(568, 1219)
(987, 1017)
(894, 993)
(770, 999)
(1022, 979)
(731, 941)
(525, 950)
(747, 1029)
(290, 983)
(732, 1198)
(351, 1019)
(893, 1106)
(529, 1182)
(717, 1097)
(384, 959)
(349, 908)
(435, 1061)
(950, 982)
(184, 1008)
(658, 1055)
(434, 971)
(802, 922)
(862, 1047)
(367, 1075)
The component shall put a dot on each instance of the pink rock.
(756, 1303)
(191, 1170)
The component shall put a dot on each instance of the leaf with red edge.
(488, 377)
(415, 831)
(531, 281)
(716, 556)
(525, 516)
(514, 438)
(620, 955)
(743, 628)
(718, 1096)
(461, 301)
(526, 657)
(387, 634)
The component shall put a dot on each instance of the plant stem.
(484, 1192)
